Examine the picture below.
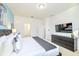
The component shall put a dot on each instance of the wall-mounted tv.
(66, 28)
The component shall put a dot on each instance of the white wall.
(19, 24)
(70, 15)
(36, 26)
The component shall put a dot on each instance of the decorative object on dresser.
(66, 42)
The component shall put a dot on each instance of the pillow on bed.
(2, 41)
(17, 44)
(10, 37)
(8, 47)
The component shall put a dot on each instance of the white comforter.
(32, 48)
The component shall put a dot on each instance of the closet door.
(40, 29)
(33, 24)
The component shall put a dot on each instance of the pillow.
(2, 41)
(17, 44)
(8, 47)
(2, 38)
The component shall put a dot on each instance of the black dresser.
(65, 42)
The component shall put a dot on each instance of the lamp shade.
(76, 33)
(14, 30)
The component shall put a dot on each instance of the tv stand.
(65, 42)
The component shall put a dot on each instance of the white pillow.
(8, 47)
(17, 44)
(2, 41)
(10, 37)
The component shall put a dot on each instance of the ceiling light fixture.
(41, 6)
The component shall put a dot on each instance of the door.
(27, 29)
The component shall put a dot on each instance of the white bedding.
(32, 48)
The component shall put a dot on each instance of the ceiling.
(30, 9)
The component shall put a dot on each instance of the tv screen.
(67, 28)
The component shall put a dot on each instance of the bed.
(34, 46)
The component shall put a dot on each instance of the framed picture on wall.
(3, 12)
(1, 15)
(6, 17)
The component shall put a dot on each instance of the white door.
(27, 29)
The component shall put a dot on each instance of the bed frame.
(5, 32)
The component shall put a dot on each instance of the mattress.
(32, 48)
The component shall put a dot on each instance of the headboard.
(5, 32)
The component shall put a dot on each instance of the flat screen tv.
(66, 28)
